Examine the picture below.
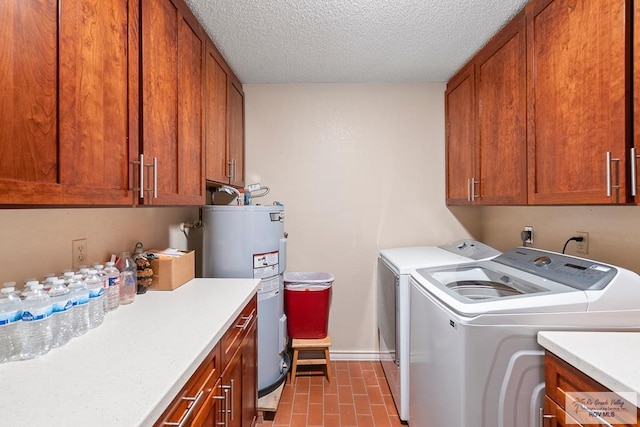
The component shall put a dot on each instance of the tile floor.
(359, 396)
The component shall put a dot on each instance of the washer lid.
(405, 260)
(488, 287)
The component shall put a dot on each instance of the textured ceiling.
(296, 41)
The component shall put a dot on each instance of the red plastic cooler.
(307, 299)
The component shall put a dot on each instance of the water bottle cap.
(77, 276)
(59, 282)
(7, 290)
(37, 287)
(92, 272)
(31, 283)
(98, 266)
(68, 274)
(50, 279)
(110, 263)
(9, 285)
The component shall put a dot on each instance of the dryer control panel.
(579, 273)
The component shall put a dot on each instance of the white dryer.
(474, 358)
(394, 268)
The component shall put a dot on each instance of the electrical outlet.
(582, 247)
(79, 253)
(528, 229)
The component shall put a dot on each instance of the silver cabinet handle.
(544, 416)
(468, 189)
(224, 421)
(234, 170)
(473, 189)
(227, 405)
(155, 177)
(231, 399)
(187, 414)
(142, 169)
(230, 164)
(634, 178)
(141, 176)
(610, 185)
(247, 320)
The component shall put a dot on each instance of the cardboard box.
(172, 272)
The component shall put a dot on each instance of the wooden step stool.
(320, 344)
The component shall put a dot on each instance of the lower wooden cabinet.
(239, 378)
(212, 411)
(223, 390)
(563, 383)
(195, 393)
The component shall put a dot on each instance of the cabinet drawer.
(561, 379)
(195, 393)
(555, 416)
(238, 330)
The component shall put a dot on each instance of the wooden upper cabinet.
(502, 111)
(172, 119)
(216, 135)
(486, 123)
(578, 109)
(236, 133)
(67, 120)
(636, 101)
(460, 115)
(224, 134)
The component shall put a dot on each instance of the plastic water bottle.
(12, 285)
(80, 297)
(10, 324)
(105, 284)
(128, 278)
(29, 284)
(96, 293)
(48, 281)
(36, 323)
(67, 276)
(62, 320)
(113, 291)
(84, 271)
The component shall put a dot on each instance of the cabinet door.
(216, 93)
(236, 133)
(250, 376)
(232, 391)
(68, 108)
(172, 103)
(460, 137)
(239, 379)
(502, 108)
(636, 99)
(577, 106)
(211, 414)
(195, 402)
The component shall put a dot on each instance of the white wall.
(613, 230)
(35, 242)
(359, 167)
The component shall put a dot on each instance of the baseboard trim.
(354, 355)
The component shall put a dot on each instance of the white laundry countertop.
(128, 370)
(610, 358)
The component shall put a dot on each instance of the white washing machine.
(474, 358)
(394, 267)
